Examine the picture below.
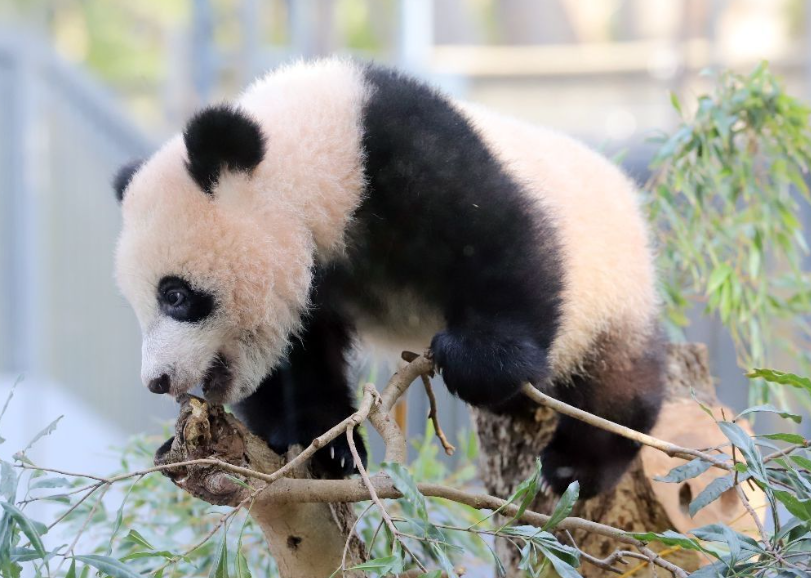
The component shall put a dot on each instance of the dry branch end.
(305, 539)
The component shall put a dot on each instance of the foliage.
(146, 526)
(142, 526)
(784, 475)
(725, 199)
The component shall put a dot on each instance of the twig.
(606, 563)
(669, 448)
(69, 551)
(90, 492)
(373, 495)
(350, 535)
(223, 519)
(760, 528)
(422, 364)
(434, 416)
(657, 560)
(785, 451)
(370, 397)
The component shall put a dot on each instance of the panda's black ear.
(221, 138)
(124, 176)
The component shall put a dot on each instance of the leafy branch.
(724, 199)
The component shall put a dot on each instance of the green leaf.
(801, 508)
(706, 409)
(50, 483)
(28, 555)
(406, 485)
(713, 491)
(27, 526)
(220, 568)
(501, 571)
(119, 517)
(48, 430)
(718, 277)
(108, 565)
(686, 471)
(431, 574)
(721, 533)
(670, 538)
(444, 561)
(72, 570)
(674, 101)
(8, 481)
(136, 537)
(768, 408)
(563, 569)
(242, 566)
(380, 565)
(743, 441)
(782, 378)
(785, 437)
(526, 492)
(166, 554)
(804, 463)
(564, 506)
(10, 395)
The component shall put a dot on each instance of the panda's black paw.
(596, 472)
(335, 461)
(559, 470)
(486, 366)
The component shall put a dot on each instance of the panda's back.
(609, 289)
(411, 210)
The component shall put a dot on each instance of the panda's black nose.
(159, 384)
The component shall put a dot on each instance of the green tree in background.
(725, 201)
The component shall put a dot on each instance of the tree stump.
(638, 503)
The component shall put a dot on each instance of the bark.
(305, 539)
(509, 448)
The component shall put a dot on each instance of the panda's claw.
(545, 489)
(337, 461)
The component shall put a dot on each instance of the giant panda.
(337, 203)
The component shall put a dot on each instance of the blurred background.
(87, 84)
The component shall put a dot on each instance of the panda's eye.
(180, 301)
(175, 298)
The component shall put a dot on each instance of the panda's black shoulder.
(442, 208)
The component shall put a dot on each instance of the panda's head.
(216, 268)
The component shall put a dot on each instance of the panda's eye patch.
(181, 302)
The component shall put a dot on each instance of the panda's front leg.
(307, 395)
(485, 362)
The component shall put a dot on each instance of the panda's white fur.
(254, 239)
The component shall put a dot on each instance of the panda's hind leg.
(626, 389)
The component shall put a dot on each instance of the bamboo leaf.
(27, 526)
(564, 506)
(405, 483)
(768, 408)
(685, 472)
(108, 565)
